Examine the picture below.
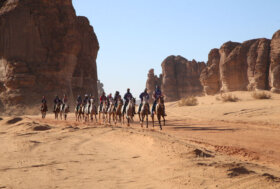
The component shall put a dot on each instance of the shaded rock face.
(45, 49)
(152, 82)
(237, 66)
(210, 76)
(180, 77)
(274, 70)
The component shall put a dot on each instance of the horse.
(111, 111)
(103, 110)
(56, 110)
(92, 110)
(64, 110)
(86, 111)
(118, 113)
(130, 111)
(159, 111)
(79, 112)
(144, 112)
(44, 110)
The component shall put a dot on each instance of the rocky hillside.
(45, 49)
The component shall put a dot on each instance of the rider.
(116, 98)
(109, 99)
(86, 99)
(56, 101)
(64, 101)
(79, 101)
(142, 96)
(102, 99)
(156, 95)
(127, 97)
(44, 103)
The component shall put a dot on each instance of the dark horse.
(159, 111)
(44, 109)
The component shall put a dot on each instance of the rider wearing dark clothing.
(116, 98)
(142, 96)
(79, 102)
(44, 103)
(86, 99)
(127, 97)
(157, 94)
(56, 101)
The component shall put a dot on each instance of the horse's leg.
(153, 120)
(147, 120)
(163, 120)
(159, 121)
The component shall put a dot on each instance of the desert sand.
(212, 145)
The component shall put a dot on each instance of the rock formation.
(237, 66)
(45, 49)
(152, 82)
(274, 70)
(180, 78)
(100, 88)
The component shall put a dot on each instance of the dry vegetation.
(188, 101)
(261, 95)
(228, 98)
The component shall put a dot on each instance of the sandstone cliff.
(274, 70)
(180, 78)
(45, 49)
(237, 66)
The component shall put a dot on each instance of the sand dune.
(212, 145)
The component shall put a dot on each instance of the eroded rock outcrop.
(274, 70)
(180, 78)
(237, 66)
(152, 82)
(45, 49)
(210, 76)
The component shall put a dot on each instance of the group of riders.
(107, 99)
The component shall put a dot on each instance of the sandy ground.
(211, 145)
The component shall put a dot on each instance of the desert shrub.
(229, 98)
(261, 95)
(188, 101)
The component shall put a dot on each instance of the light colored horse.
(92, 110)
(111, 111)
(56, 110)
(86, 111)
(79, 112)
(44, 110)
(103, 111)
(159, 111)
(144, 113)
(118, 115)
(130, 111)
(64, 110)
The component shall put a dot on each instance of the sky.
(137, 35)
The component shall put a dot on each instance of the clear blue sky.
(136, 35)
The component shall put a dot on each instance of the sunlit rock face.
(237, 67)
(45, 49)
(179, 78)
(274, 70)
